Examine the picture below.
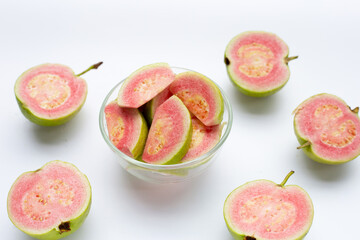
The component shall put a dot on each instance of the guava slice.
(265, 210)
(51, 94)
(200, 95)
(170, 133)
(127, 129)
(153, 104)
(257, 63)
(51, 202)
(203, 139)
(327, 129)
(144, 84)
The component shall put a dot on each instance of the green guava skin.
(74, 223)
(251, 93)
(43, 121)
(241, 236)
(308, 150)
(139, 147)
(243, 89)
(32, 116)
(55, 234)
(183, 150)
(177, 156)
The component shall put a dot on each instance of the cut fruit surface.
(264, 210)
(50, 94)
(144, 84)
(127, 129)
(200, 95)
(203, 139)
(327, 129)
(257, 63)
(170, 133)
(51, 202)
(154, 103)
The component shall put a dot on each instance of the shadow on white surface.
(325, 172)
(255, 105)
(56, 134)
(161, 195)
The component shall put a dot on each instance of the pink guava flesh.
(200, 95)
(330, 126)
(51, 91)
(257, 61)
(203, 139)
(156, 102)
(42, 200)
(144, 84)
(168, 133)
(261, 209)
(124, 127)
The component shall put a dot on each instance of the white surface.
(190, 34)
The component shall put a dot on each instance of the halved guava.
(257, 63)
(265, 210)
(170, 133)
(144, 84)
(51, 202)
(127, 128)
(327, 129)
(200, 95)
(51, 94)
(203, 139)
(153, 104)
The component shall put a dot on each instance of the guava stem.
(355, 110)
(304, 145)
(288, 59)
(282, 184)
(95, 66)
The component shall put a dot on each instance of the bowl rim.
(194, 162)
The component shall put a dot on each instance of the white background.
(190, 34)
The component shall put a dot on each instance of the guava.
(127, 128)
(170, 133)
(203, 139)
(200, 95)
(327, 129)
(257, 63)
(153, 104)
(51, 94)
(144, 84)
(264, 210)
(51, 202)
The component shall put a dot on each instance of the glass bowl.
(166, 173)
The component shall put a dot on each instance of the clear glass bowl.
(166, 173)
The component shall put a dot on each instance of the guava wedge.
(170, 133)
(200, 95)
(51, 94)
(51, 202)
(127, 129)
(203, 139)
(144, 84)
(257, 63)
(327, 129)
(264, 210)
(153, 104)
